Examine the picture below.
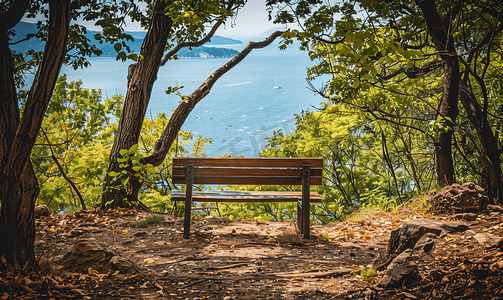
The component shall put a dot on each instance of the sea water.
(243, 108)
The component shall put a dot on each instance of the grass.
(152, 219)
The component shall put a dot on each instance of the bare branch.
(198, 43)
(415, 72)
(191, 44)
(330, 42)
(70, 181)
(176, 121)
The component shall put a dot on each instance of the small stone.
(121, 264)
(123, 223)
(41, 210)
(487, 240)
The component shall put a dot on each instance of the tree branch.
(191, 44)
(70, 181)
(163, 144)
(415, 72)
(198, 43)
(330, 42)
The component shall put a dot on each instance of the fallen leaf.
(132, 278)
(92, 271)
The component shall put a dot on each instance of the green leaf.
(133, 149)
(123, 151)
(150, 168)
(96, 191)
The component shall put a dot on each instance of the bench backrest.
(260, 171)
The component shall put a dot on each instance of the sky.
(252, 19)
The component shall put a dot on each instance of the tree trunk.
(18, 184)
(448, 107)
(135, 107)
(490, 163)
(17, 226)
(439, 28)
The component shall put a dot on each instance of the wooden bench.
(253, 171)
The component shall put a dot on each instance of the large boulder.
(401, 271)
(88, 253)
(416, 234)
(456, 198)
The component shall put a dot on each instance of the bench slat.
(228, 172)
(249, 162)
(255, 180)
(237, 196)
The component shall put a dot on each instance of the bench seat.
(249, 171)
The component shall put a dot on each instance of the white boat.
(277, 86)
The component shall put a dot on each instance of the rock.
(41, 210)
(123, 223)
(470, 233)
(121, 264)
(456, 198)
(488, 240)
(88, 253)
(401, 271)
(408, 235)
(427, 242)
(85, 254)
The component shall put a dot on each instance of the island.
(22, 29)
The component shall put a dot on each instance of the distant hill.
(270, 31)
(207, 52)
(24, 28)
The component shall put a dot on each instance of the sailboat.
(277, 86)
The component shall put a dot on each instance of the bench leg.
(306, 207)
(188, 200)
(299, 217)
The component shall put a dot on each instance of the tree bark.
(440, 30)
(135, 106)
(18, 184)
(490, 163)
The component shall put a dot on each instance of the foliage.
(361, 168)
(385, 63)
(79, 127)
(365, 273)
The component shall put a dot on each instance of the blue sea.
(242, 109)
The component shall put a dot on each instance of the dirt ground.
(242, 259)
